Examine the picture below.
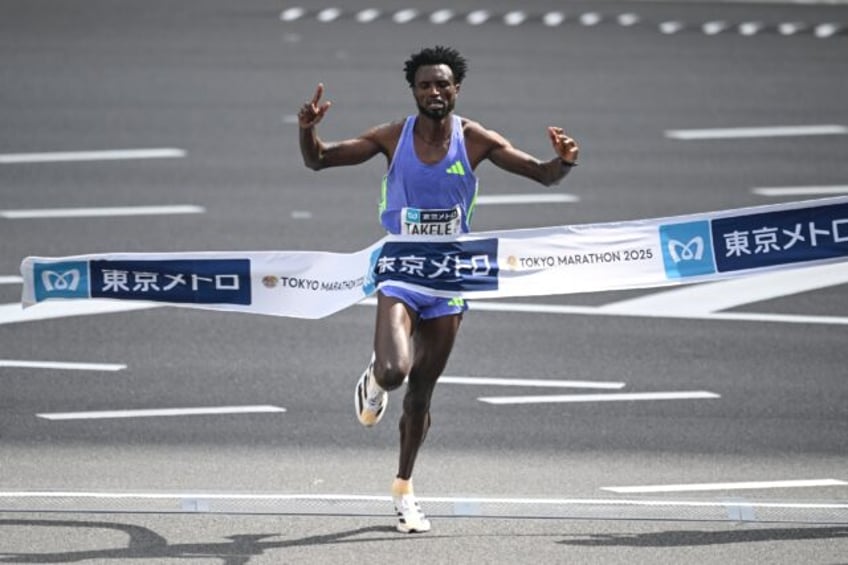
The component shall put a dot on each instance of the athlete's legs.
(392, 341)
(433, 341)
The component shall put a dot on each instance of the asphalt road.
(221, 81)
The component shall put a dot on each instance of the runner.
(429, 189)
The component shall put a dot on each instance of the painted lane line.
(749, 29)
(153, 413)
(723, 295)
(544, 383)
(608, 397)
(441, 16)
(478, 17)
(11, 279)
(714, 27)
(328, 15)
(514, 18)
(823, 31)
(368, 15)
(292, 14)
(109, 155)
(727, 486)
(628, 19)
(672, 27)
(542, 198)
(739, 133)
(553, 19)
(106, 211)
(19, 364)
(590, 19)
(800, 190)
(105, 495)
(405, 16)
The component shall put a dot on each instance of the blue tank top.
(422, 199)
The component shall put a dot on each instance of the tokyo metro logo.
(687, 249)
(61, 280)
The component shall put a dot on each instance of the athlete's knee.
(389, 376)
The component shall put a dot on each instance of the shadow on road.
(682, 538)
(145, 544)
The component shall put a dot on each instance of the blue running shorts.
(426, 306)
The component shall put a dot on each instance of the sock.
(402, 486)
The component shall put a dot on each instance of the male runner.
(431, 161)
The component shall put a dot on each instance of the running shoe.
(411, 518)
(370, 399)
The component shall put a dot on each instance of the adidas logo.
(456, 169)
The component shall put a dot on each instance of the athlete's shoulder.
(386, 135)
(476, 133)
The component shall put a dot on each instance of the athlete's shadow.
(685, 538)
(147, 546)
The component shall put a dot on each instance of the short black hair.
(438, 55)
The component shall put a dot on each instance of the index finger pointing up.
(318, 93)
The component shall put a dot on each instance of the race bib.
(416, 221)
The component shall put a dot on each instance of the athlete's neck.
(433, 131)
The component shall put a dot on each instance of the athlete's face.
(435, 91)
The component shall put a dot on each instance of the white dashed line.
(628, 19)
(607, 397)
(714, 28)
(590, 19)
(553, 19)
(824, 31)
(17, 364)
(154, 413)
(542, 198)
(441, 16)
(800, 190)
(405, 16)
(101, 212)
(107, 155)
(328, 15)
(750, 28)
(11, 279)
(738, 133)
(478, 17)
(670, 28)
(514, 18)
(292, 14)
(727, 486)
(539, 383)
(367, 15)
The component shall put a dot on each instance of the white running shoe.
(411, 518)
(370, 399)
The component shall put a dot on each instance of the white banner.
(530, 262)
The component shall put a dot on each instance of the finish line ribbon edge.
(598, 257)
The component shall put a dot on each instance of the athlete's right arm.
(318, 154)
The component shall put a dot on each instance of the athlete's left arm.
(502, 153)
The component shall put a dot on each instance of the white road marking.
(791, 28)
(441, 16)
(738, 133)
(108, 155)
(457, 501)
(301, 214)
(11, 279)
(628, 19)
(20, 364)
(553, 19)
(590, 19)
(714, 27)
(541, 198)
(105, 211)
(750, 28)
(292, 14)
(607, 397)
(800, 190)
(823, 31)
(477, 17)
(544, 383)
(328, 15)
(514, 18)
(727, 486)
(405, 16)
(368, 15)
(711, 297)
(153, 413)
(672, 27)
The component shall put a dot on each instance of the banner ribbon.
(526, 262)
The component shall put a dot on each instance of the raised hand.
(313, 111)
(566, 148)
